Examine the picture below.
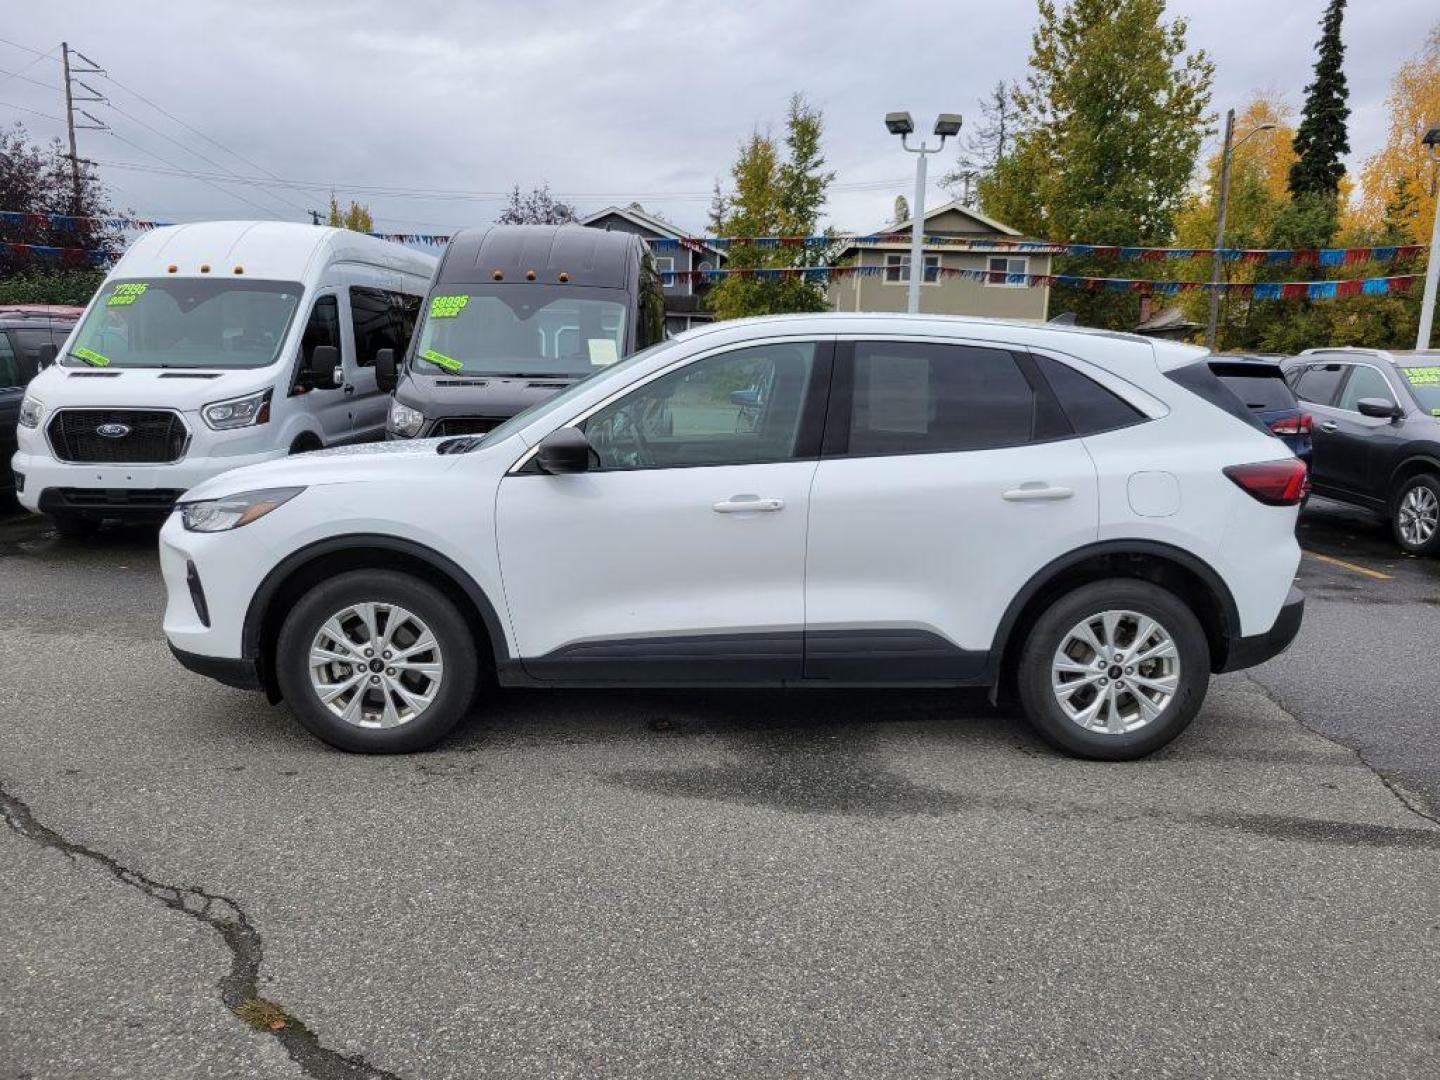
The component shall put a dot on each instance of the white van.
(208, 347)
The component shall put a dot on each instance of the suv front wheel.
(1415, 515)
(377, 662)
(1114, 670)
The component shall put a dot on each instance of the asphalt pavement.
(705, 884)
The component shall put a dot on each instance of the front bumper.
(241, 674)
(1247, 652)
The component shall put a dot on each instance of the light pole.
(899, 123)
(1217, 265)
(1432, 269)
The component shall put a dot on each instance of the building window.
(1000, 266)
(665, 264)
(897, 269)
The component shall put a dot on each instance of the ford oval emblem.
(113, 431)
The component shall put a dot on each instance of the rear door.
(945, 483)
(1318, 385)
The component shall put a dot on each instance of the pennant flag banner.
(428, 239)
(1270, 256)
(66, 256)
(1277, 290)
(70, 221)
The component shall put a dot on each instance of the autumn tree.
(36, 179)
(776, 194)
(354, 217)
(535, 207)
(1110, 121)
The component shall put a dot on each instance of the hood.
(479, 395)
(146, 388)
(367, 462)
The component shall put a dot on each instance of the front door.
(1360, 444)
(329, 405)
(942, 489)
(680, 556)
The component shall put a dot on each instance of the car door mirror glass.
(45, 356)
(324, 371)
(1377, 407)
(565, 450)
(386, 376)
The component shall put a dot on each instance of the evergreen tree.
(719, 209)
(537, 207)
(1321, 141)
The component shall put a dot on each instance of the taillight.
(1292, 425)
(1275, 483)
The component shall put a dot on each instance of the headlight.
(404, 420)
(221, 515)
(30, 410)
(239, 412)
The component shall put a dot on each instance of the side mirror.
(386, 376)
(323, 371)
(46, 356)
(1378, 407)
(565, 450)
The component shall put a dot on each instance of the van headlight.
(221, 515)
(30, 410)
(404, 420)
(239, 412)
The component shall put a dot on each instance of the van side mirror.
(46, 356)
(1379, 408)
(386, 376)
(322, 372)
(565, 450)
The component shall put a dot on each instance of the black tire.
(1431, 545)
(452, 634)
(1048, 634)
(75, 526)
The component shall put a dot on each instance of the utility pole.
(70, 125)
(1217, 265)
(1431, 142)
(314, 216)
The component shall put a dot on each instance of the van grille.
(154, 436)
(466, 425)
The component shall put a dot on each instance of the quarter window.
(919, 398)
(1089, 407)
(737, 408)
(1364, 382)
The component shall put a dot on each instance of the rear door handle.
(748, 504)
(1328, 425)
(1037, 492)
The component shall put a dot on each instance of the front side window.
(920, 398)
(1318, 382)
(9, 364)
(737, 408)
(897, 269)
(185, 323)
(1424, 384)
(521, 330)
(1000, 267)
(1364, 382)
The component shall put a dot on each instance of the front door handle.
(1328, 425)
(1037, 492)
(349, 389)
(748, 504)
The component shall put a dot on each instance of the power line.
(19, 74)
(37, 112)
(23, 48)
(232, 194)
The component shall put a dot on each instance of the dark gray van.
(515, 314)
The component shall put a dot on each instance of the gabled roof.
(646, 220)
(958, 207)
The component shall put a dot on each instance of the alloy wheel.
(1418, 516)
(375, 665)
(1115, 672)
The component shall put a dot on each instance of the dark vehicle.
(1377, 436)
(515, 314)
(1259, 381)
(30, 336)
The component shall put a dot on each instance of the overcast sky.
(607, 101)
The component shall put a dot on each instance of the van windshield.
(521, 330)
(185, 323)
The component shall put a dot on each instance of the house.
(684, 298)
(995, 294)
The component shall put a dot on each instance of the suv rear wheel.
(1114, 670)
(377, 662)
(1415, 515)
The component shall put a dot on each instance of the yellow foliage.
(1259, 175)
(1414, 105)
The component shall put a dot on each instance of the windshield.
(1424, 383)
(560, 400)
(185, 323)
(522, 330)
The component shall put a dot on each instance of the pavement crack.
(240, 987)
(1404, 798)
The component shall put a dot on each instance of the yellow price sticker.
(1422, 376)
(126, 294)
(447, 307)
(439, 359)
(90, 356)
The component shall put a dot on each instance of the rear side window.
(919, 398)
(381, 320)
(1089, 407)
(1261, 391)
(1204, 383)
(1318, 382)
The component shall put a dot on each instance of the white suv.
(1088, 519)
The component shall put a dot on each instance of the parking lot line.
(1376, 574)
